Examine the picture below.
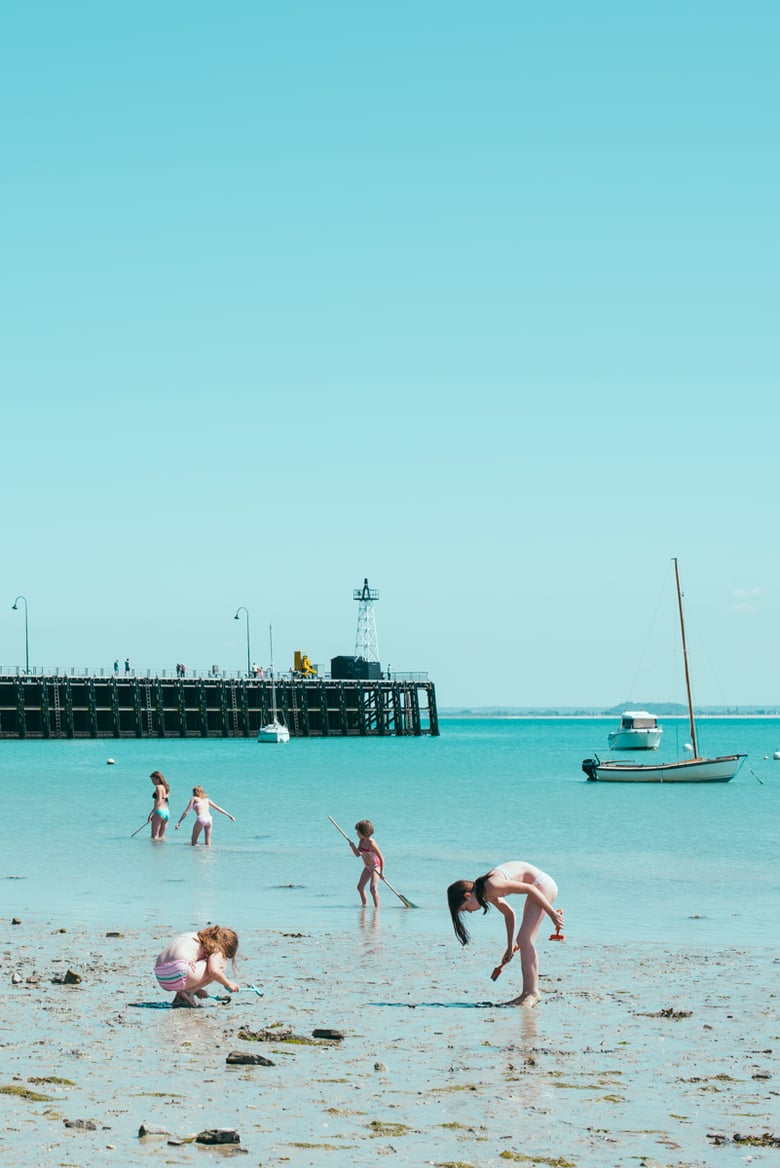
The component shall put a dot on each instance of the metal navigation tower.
(365, 642)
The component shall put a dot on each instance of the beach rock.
(380, 1067)
(81, 1124)
(267, 1034)
(151, 1129)
(237, 1058)
(218, 1135)
(15, 921)
(69, 978)
(16, 978)
(328, 1032)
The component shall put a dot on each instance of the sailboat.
(687, 770)
(273, 731)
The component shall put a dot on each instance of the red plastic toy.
(497, 971)
(558, 935)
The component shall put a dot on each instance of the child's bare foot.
(201, 993)
(183, 998)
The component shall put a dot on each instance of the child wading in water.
(195, 960)
(202, 805)
(513, 878)
(373, 861)
(159, 815)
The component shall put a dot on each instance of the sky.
(479, 302)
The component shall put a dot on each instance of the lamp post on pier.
(248, 654)
(15, 605)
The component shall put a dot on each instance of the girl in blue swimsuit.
(159, 815)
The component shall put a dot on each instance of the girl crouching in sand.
(513, 878)
(195, 960)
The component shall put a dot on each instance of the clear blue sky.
(478, 301)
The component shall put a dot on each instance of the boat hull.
(634, 739)
(273, 732)
(692, 770)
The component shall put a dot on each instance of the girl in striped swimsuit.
(194, 960)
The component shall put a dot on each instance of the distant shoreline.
(594, 715)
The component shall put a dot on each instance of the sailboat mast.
(273, 675)
(685, 662)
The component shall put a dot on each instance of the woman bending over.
(515, 878)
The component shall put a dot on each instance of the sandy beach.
(634, 1055)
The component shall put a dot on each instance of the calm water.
(667, 863)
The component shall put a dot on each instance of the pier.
(71, 706)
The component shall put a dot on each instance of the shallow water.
(675, 864)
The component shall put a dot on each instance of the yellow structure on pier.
(303, 665)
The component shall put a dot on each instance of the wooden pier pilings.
(160, 707)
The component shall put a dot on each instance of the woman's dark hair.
(456, 894)
(159, 780)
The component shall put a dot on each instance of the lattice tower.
(366, 645)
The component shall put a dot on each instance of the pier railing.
(34, 671)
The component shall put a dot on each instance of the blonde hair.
(199, 793)
(217, 939)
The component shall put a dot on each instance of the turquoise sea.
(675, 864)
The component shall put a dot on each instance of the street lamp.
(15, 605)
(248, 654)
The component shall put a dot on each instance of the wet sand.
(635, 1055)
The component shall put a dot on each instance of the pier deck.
(162, 707)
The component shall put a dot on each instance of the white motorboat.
(273, 731)
(688, 770)
(638, 730)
